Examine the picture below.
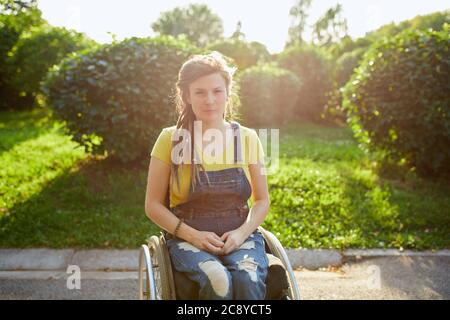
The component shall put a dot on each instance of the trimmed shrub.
(399, 100)
(345, 66)
(311, 65)
(118, 93)
(268, 95)
(39, 49)
(8, 36)
(12, 25)
(347, 44)
(433, 21)
(244, 54)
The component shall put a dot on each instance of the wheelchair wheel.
(147, 289)
(155, 271)
(277, 250)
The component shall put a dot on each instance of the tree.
(330, 27)
(16, 17)
(398, 100)
(245, 54)
(16, 6)
(36, 51)
(298, 14)
(311, 64)
(433, 21)
(197, 22)
(238, 34)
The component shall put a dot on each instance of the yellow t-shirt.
(251, 150)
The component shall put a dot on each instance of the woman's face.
(208, 97)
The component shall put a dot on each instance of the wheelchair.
(158, 280)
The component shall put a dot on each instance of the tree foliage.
(39, 49)
(268, 95)
(245, 54)
(311, 65)
(197, 22)
(117, 97)
(298, 14)
(16, 17)
(399, 100)
(331, 27)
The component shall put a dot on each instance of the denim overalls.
(219, 207)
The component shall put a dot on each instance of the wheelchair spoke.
(158, 284)
(156, 277)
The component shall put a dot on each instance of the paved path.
(401, 277)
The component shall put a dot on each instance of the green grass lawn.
(326, 194)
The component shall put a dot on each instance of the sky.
(266, 21)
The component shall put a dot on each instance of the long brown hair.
(196, 67)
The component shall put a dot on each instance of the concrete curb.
(127, 260)
(106, 260)
(58, 275)
(314, 258)
(35, 259)
(60, 259)
(371, 253)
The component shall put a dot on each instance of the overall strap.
(237, 142)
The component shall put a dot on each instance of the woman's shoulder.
(165, 136)
(161, 148)
(169, 129)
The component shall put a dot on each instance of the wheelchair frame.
(156, 281)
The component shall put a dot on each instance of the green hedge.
(346, 65)
(38, 50)
(344, 68)
(312, 66)
(268, 95)
(120, 92)
(399, 100)
(12, 25)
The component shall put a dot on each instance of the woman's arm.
(157, 183)
(258, 211)
(261, 201)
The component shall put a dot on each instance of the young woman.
(212, 233)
